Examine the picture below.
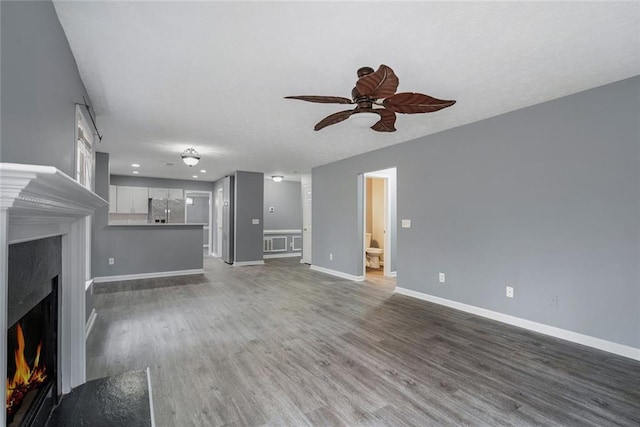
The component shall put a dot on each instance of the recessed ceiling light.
(135, 165)
(203, 171)
(136, 172)
(195, 176)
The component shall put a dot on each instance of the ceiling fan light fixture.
(190, 157)
(277, 178)
(364, 120)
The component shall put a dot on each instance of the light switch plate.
(406, 223)
(255, 221)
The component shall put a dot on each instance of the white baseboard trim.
(282, 255)
(245, 263)
(337, 273)
(589, 341)
(296, 231)
(393, 274)
(106, 279)
(89, 324)
(151, 409)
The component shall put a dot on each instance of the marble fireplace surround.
(38, 202)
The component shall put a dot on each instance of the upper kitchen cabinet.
(166, 193)
(132, 200)
(176, 193)
(113, 195)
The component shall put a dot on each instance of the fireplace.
(34, 273)
(32, 363)
(42, 204)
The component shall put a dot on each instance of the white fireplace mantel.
(38, 202)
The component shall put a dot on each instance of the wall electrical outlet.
(553, 300)
(509, 292)
(441, 277)
(330, 257)
(112, 261)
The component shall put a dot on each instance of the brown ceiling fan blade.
(386, 122)
(413, 103)
(333, 119)
(380, 84)
(322, 99)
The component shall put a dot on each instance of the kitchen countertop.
(154, 224)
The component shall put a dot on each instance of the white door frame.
(219, 225)
(389, 176)
(306, 187)
(210, 195)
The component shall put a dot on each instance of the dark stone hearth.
(121, 400)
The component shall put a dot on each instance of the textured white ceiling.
(164, 76)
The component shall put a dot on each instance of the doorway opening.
(199, 211)
(218, 234)
(379, 227)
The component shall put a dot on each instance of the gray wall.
(249, 196)
(285, 198)
(40, 84)
(198, 212)
(140, 249)
(545, 199)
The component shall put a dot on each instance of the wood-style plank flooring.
(282, 345)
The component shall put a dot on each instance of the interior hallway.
(282, 345)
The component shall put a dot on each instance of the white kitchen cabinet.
(166, 193)
(140, 200)
(175, 193)
(132, 200)
(158, 193)
(112, 198)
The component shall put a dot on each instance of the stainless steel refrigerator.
(167, 211)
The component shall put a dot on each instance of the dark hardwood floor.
(282, 345)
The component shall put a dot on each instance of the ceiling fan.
(377, 88)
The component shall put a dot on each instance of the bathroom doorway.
(379, 231)
(198, 211)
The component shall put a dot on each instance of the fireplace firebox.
(32, 363)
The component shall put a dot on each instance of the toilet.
(373, 254)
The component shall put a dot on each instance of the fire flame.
(25, 378)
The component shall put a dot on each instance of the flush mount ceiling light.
(365, 120)
(277, 178)
(190, 157)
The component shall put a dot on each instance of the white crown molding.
(35, 194)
